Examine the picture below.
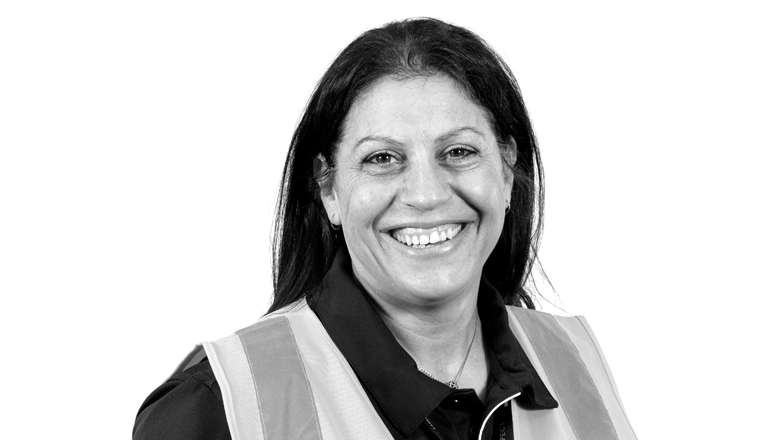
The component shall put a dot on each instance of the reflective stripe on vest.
(287, 380)
(284, 378)
(565, 353)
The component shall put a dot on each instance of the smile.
(423, 238)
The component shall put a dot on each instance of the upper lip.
(424, 225)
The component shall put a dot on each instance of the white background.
(141, 145)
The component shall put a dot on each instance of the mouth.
(428, 237)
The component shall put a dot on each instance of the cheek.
(486, 192)
(362, 202)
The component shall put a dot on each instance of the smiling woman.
(417, 161)
(406, 231)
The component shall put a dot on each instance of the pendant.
(452, 384)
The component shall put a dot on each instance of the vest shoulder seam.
(516, 309)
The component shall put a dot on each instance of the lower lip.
(438, 249)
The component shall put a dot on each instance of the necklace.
(454, 382)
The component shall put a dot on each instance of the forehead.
(419, 108)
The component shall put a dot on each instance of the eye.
(382, 158)
(382, 161)
(459, 153)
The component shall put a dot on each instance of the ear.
(324, 175)
(509, 154)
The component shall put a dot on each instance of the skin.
(419, 153)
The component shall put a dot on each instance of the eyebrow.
(444, 137)
(384, 139)
(458, 131)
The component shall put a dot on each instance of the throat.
(444, 356)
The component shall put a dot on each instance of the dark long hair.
(304, 243)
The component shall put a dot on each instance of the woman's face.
(420, 190)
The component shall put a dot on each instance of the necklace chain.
(454, 382)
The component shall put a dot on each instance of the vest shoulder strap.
(283, 377)
(565, 353)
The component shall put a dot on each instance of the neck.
(438, 336)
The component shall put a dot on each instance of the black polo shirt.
(412, 405)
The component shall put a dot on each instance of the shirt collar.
(510, 355)
(387, 371)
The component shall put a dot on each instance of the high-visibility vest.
(284, 378)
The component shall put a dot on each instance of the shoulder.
(520, 312)
(187, 406)
(272, 325)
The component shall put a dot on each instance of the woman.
(407, 222)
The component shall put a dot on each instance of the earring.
(334, 226)
(508, 207)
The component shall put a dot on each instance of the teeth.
(423, 240)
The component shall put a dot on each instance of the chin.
(441, 286)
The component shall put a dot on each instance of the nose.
(426, 185)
